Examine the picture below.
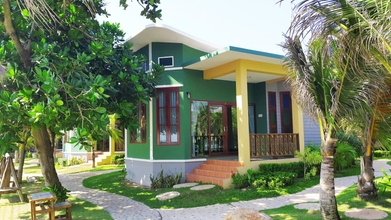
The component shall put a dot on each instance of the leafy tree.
(361, 28)
(66, 75)
(330, 94)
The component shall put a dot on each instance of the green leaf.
(25, 13)
(59, 103)
(101, 110)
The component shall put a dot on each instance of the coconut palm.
(328, 93)
(363, 31)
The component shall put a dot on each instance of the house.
(218, 111)
(213, 103)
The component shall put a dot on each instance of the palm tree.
(328, 93)
(362, 28)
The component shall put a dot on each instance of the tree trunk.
(17, 156)
(93, 156)
(327, 200)
(366, 188)
(21, 152)
(45, 153)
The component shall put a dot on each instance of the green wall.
(139, 150)
(200, 89)
(257, 96)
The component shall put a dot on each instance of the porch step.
(214, 171)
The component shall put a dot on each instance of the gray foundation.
(139, 171)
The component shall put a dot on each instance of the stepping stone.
(308, 206)
(183, 185)
(366, 214)
(202, 187)
(246, 214)
(167, 195)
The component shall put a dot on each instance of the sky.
(251, 24)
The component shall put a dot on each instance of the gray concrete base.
(139, 171)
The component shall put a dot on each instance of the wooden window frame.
(168, 117)
(142, 109)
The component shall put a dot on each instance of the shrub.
(118, 159)
(240, 181)
(381, 153)
(311, 159)
(351, 140)
(161, 181)
(344, 156)
(384, 181)
(62, 162)
(274, 180)
(294, 167)
(75, 161)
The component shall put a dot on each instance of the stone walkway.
(120, 207)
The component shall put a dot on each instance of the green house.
(218, 111)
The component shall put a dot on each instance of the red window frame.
(169, 121)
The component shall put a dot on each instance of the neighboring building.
(213, 103)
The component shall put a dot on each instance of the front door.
(215, 129)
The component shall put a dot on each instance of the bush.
(294, 167)
(351, 140)
(240, 181)
(62, 162)
(311, 159)
(75, 161)
(167, 181)
(274, 181)
(344, 156)
(118, 159)
(381, 153)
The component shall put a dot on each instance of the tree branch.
(10, 30)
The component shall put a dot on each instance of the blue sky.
(251, 24)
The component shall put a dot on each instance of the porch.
(261, 146)
(264, 148)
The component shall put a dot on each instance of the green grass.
(72, 169)
(346, 200)
(114, 183)
(12, 208)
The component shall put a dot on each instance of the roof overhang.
(166, 34)
(230, 54)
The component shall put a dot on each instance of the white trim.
(174, 68)
(166, 161)
(150, 131)
(126, 141)
(165, 57)
(169, 86)
(150, 56)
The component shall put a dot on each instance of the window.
(272, 112)
(120, 145)
(166, 61)
(168, 116)
(139, 135)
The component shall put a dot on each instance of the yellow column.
(112, 142)
(242, 116)
(298, 125)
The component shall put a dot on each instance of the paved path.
(122, 208)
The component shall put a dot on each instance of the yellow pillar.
(242, 116)
(112, 142)
(298, 125)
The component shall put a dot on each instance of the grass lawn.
(114, 183)
(346, 200)
(12, 208)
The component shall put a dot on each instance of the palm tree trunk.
(366, 188)
(327, 200)
(45, 153)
